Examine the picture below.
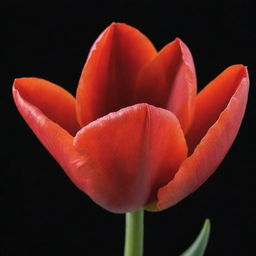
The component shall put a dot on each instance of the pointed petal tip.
(237, 67)
(178, 40)
(112, 26)
(241, 71)
(119, 25)
(18, 80)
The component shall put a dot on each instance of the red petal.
(212, 100)
(107, 80)
(55, 102)
(130, 154)
(169, 81)
(56, 140)
(196, 169)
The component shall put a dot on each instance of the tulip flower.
(137, 135)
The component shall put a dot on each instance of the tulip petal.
(55, 139)
(130, 154)
(108, 77)
(169, 81)
(212, 100)
(211, 150)
(55, 102)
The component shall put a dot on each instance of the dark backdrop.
(43, 213)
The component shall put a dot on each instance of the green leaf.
(199, 245)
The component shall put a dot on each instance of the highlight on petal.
(108, 77)
(215, 144)
(169, 81)
(130, 154)
(55, 102)
(55, 139)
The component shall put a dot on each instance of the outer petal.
(107, 80)
(56, 140)
(212, 100)
(55, 102)
(130, 154)
(213, 147)
(169, 81)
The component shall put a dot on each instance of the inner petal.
(169, 81)
(108, 77)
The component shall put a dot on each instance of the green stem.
(134, 233)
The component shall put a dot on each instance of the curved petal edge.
(55, 139)
(169, 81)
(55, 102)
(211, 101)
(196, 169)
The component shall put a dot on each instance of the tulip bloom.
(137, 134)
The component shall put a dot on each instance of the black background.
(43, 213)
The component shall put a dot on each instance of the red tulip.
(137, 134)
